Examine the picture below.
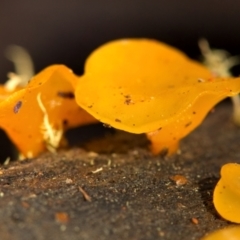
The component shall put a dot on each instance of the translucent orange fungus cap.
(228, 233)
(145, 86)
(36, 116)
(226, 197)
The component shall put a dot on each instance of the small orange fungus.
(145, 86)
(36, 116)
(226, 197)
(228, 233)
(179, 180)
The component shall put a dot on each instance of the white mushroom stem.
(220, 62)
(23, 64)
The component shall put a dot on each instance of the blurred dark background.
(58, 31)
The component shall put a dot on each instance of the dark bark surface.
(115, 189)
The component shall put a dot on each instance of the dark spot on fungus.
(188, 124)
(128, 101)
(117, 120)
(66, 95)
(17, 107)
(90, 106)
(159, 128)
(194, 112)
(40, 83)
(65, 122)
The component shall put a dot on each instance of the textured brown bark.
(115, 189)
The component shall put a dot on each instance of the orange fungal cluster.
(136, 85)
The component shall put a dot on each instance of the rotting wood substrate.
(132, 196)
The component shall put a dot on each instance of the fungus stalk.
(220, 62)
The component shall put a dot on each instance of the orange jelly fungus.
(145, 86)
(228, 233)
(226, 197)
(36, 116)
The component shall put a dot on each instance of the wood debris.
(194, 220)
(85, 195)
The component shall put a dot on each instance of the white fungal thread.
(51, 136)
